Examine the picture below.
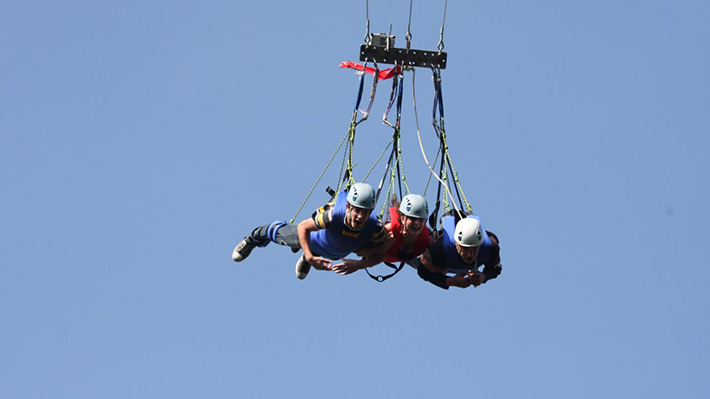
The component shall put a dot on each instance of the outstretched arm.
(375, 249)
(348, 266)
(441, 280)
(429, 271)
(492, 267)
(371, 256)
(304, 237)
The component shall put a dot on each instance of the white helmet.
(414, 205)
(362, 195)
(468, 233)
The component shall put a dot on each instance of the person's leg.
(260, 236)
(284, 234)
(279, 232)
(288, 235)
(263, 235)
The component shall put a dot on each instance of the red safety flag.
(383, 75)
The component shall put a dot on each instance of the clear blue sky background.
(140, 141)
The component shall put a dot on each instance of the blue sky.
(140, 141)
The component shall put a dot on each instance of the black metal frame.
(403, 57)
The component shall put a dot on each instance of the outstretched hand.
(467, 278)
(461, 280)
(427, 262)
(477, 278)
(347, 266)
(320, 263)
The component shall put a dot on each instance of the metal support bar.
(404, 57)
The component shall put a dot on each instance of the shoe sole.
(236, 256)
(302, 275)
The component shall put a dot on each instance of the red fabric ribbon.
(383, 75)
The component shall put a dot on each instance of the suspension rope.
(345, 174)
(347, 177)
(319, 178)
(340, 172)
(401, 167)
(378, 160)
(387, 168)
(440, 46)
(394, 167)
(395, 161)
(441, 132)
(408, 37)
(396, 150)
(428, 180)
(421, 145)
(366, 113)
(447, 172)
(367, 22)
(457, 184)
(438, 124)
(390, 186)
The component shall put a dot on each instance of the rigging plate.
(404, 57)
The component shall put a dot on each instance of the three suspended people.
(461, 253)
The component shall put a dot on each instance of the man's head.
(361, 202)
(413, 210)
(468, 237)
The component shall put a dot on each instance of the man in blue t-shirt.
(333, 232)
(461, 249)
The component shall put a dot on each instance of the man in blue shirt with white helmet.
(461, 249)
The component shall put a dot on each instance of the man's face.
(356, 218)
(468, 254)
(412, 225)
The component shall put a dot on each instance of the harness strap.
(273, 228)
(381, 278)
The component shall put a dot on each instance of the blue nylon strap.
(273, 228)
(360, 89)
(441, 95)
(399, 96)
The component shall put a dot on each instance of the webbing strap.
(273, 228)
(446, 168)
(381, 278)
(303, 203)
(345, 175)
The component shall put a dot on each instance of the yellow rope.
(401, 166)
(377, 161)
(458, 184)
(319, 177)
(428, 180)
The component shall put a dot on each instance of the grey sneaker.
(243, 249)
(302, 267)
